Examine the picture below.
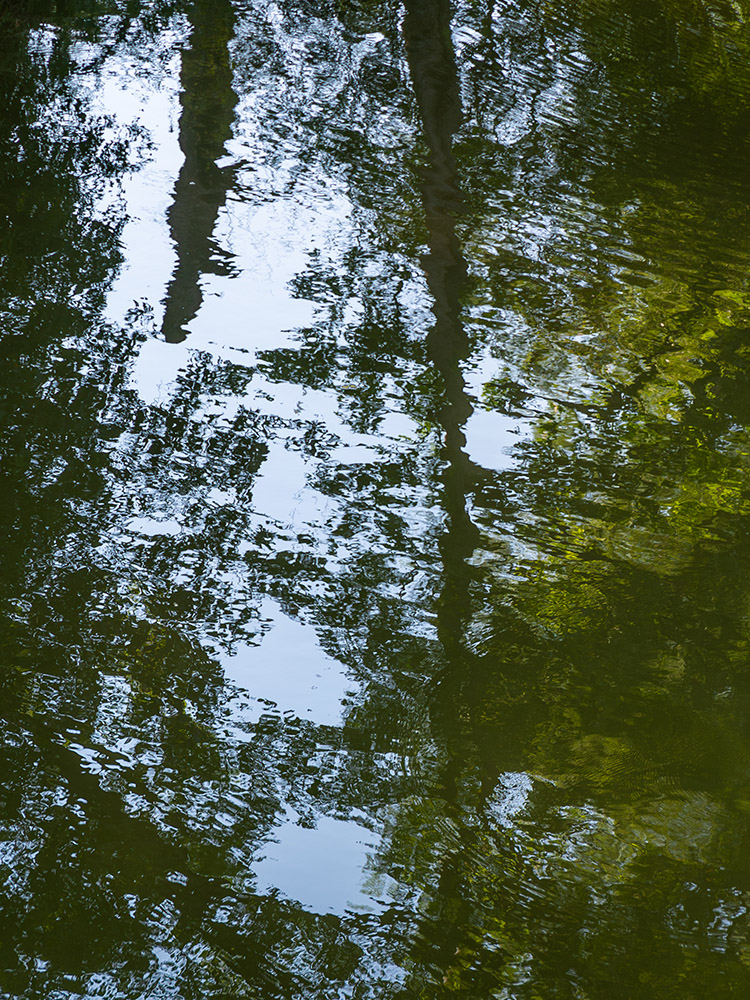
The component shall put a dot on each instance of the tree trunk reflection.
(208, 107)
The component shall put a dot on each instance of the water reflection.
(385, 635)
(208, 103)
(427, 35)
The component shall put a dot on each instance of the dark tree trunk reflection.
(208, 107)
(435, 80)
(432, 64)
(434, 75)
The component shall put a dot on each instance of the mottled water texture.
(375, 495)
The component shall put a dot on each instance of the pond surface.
(375, 499)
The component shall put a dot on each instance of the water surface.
(375, 495)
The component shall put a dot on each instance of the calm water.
(375, 499)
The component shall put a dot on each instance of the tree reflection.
(544, 729)
(208, 102)
(427, 35)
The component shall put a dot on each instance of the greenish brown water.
(375, 500)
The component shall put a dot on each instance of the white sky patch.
(324, 868)
(491, 437)
(290, 669)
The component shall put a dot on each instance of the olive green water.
(375, 499)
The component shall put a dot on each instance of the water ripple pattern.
(375, 526)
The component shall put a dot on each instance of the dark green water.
(375, 500)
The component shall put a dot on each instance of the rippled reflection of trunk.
(432, 65)
(208, 103)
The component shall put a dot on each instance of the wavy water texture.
(375, 491)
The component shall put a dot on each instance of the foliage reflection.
(375, 618)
